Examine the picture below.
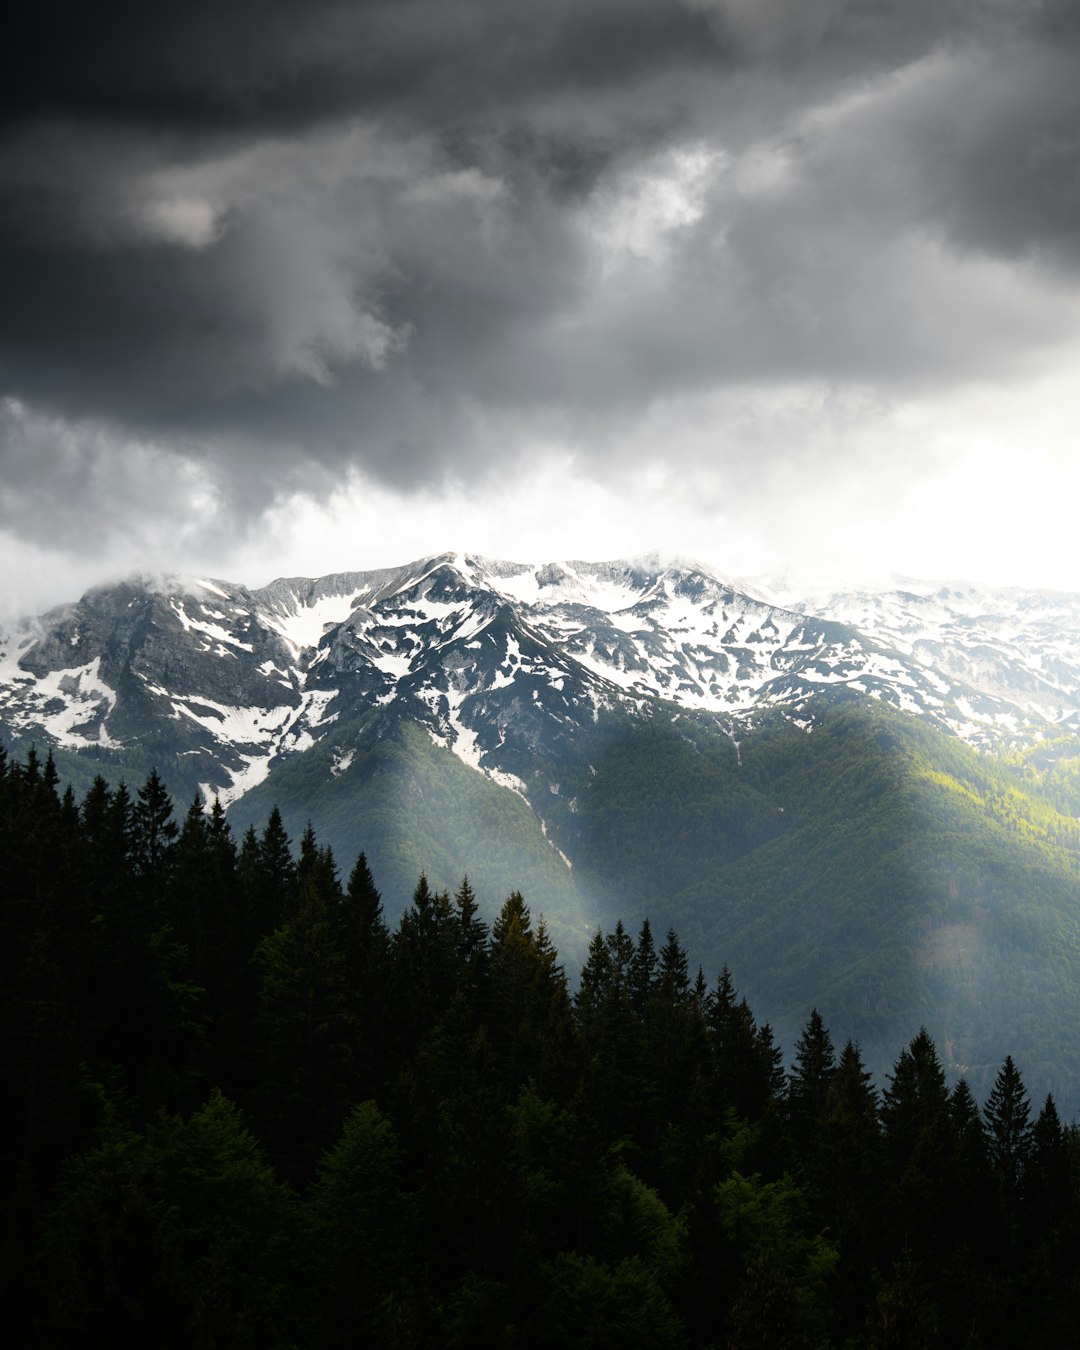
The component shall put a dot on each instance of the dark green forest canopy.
(245, 1109)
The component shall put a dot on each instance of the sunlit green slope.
(873, 867)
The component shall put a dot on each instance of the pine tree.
(915, 1115)
(642, 970)
(1008, 1127)
(914, 1109)
(743, 1065)
(845, 1173)
(154, 834)
(528, 1023)
(473, 942)
(808, 1083)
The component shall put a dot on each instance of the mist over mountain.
(864, 801)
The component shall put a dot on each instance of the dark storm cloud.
(412, 236)
(243, 64)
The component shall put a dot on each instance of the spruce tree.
(845, 1172)
(914, 1109)
(302, 1032)
(182, 1239)
(359, 1222)
(472, 942)
(743, 1070)
(674, 1056)
(1008, 1128)
(642, 970)
(915, 1115)
(808, 1082)
(609, 1037)
(1047, 1183)
(594, 984)
(1051, 1231)
(154, 834)
(271, 876)
(426, 962)
(528, 1022)
(620, 946)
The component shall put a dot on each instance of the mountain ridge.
(635, 629)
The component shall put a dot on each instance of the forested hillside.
(887, 872)
(246, 1110)
(417, 808)
(870, 865)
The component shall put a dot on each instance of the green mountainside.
(872, 866)
(414, 808)
(875, 866)
(1052, 769)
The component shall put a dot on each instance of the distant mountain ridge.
(491, 656)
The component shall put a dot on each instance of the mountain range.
(864, 800)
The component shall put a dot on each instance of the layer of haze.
(780, 284)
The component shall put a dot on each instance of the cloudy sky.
(773, 283)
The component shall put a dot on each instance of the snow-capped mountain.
(498, 659)
(1007, 644)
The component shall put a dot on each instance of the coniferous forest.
(245, 1111)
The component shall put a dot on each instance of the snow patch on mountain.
(74, 704)
(260, 735)
(303, 626)
(211, 586)
(341, 762)
(214, 631)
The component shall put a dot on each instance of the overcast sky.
(287, 289)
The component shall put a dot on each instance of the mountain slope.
(875, 868)
(415, 807)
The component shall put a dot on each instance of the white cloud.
(638, 212)
(189, 222)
